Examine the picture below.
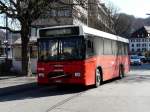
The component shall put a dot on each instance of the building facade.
(6, 44)
(63, 14)
(92, 13)
(140, 41)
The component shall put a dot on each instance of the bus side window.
(98, 46)
(119, 48)
(89, 44)
(107, 47)
(126, 48)
(114, 47)
(89, 48)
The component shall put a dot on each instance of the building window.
(132, 45)
(132, 50)
(133, 40)
(138, 45)
(53, 13)
(144, 49)
(65, 13)
(146, 40)
(143, 45)
(138, 50)
(60, 12)
(139, 40)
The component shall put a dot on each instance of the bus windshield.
(60, 48)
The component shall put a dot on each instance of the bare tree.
(122, 23)
(26, 12)
(112, 15)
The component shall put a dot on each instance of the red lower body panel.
(75, 81)
(109, 66)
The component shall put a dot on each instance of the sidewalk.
(13, 84)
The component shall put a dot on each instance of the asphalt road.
(131, 94)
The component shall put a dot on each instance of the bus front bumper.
(57, 81)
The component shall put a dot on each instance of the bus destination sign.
(59, 32)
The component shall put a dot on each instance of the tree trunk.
(24, 53)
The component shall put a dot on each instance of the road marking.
(64, 101)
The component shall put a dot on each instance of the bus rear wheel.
(121, 72)
(98, 78)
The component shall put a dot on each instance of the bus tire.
(98, 78)
(121, 72)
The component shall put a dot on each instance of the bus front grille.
(53, 75)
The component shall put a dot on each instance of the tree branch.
(9, 29)
(10, 11)
(13, 3)
(9, 15)
(2, 4)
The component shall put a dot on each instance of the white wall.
(17, 65)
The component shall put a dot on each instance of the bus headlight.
(77, 74)
(41, 74)
(40, 69)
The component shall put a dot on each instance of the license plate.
(58, 81)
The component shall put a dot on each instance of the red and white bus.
(80, 55)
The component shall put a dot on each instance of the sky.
(138, 8)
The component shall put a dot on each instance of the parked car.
(143, 59)
(147, 60)
(135, 60)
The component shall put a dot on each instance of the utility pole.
(148, 49)
(87, 12)
(6, 38)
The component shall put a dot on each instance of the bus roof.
(92, 31)
(88, 30)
